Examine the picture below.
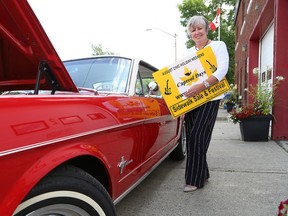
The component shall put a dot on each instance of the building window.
(242, 29)
(243, 11)
(249, 6)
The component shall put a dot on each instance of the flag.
(216, 22)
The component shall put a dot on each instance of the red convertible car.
(76, 136)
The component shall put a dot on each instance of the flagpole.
(219, 32)
(219, 24)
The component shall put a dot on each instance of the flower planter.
(255, 128)
(229, 106)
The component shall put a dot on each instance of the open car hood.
(25, 49)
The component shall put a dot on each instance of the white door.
(267, 56)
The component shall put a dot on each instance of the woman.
(200, 121)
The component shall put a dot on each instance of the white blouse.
(222, 57)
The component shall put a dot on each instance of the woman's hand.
(194, 90)
(197, 88)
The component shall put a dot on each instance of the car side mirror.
(153, 86)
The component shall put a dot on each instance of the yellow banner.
(176, 79)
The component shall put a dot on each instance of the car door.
(160, 129)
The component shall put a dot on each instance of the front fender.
(34, 165)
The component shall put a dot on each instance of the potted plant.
(254, 119)
(283, 208)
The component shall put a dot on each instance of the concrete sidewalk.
(247, 179)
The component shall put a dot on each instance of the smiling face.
(198, 34)
(198, 28)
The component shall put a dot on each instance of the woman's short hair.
(196, 21)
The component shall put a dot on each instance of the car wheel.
(67, 191)
(179, 153)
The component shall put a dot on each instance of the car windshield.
(109, 74)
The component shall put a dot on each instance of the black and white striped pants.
(200, 123)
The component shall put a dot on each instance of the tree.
(208, 8)
(98, 50)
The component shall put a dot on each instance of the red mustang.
(75, 136)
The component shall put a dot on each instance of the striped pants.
(200, 123)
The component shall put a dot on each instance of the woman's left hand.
(194, 90)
